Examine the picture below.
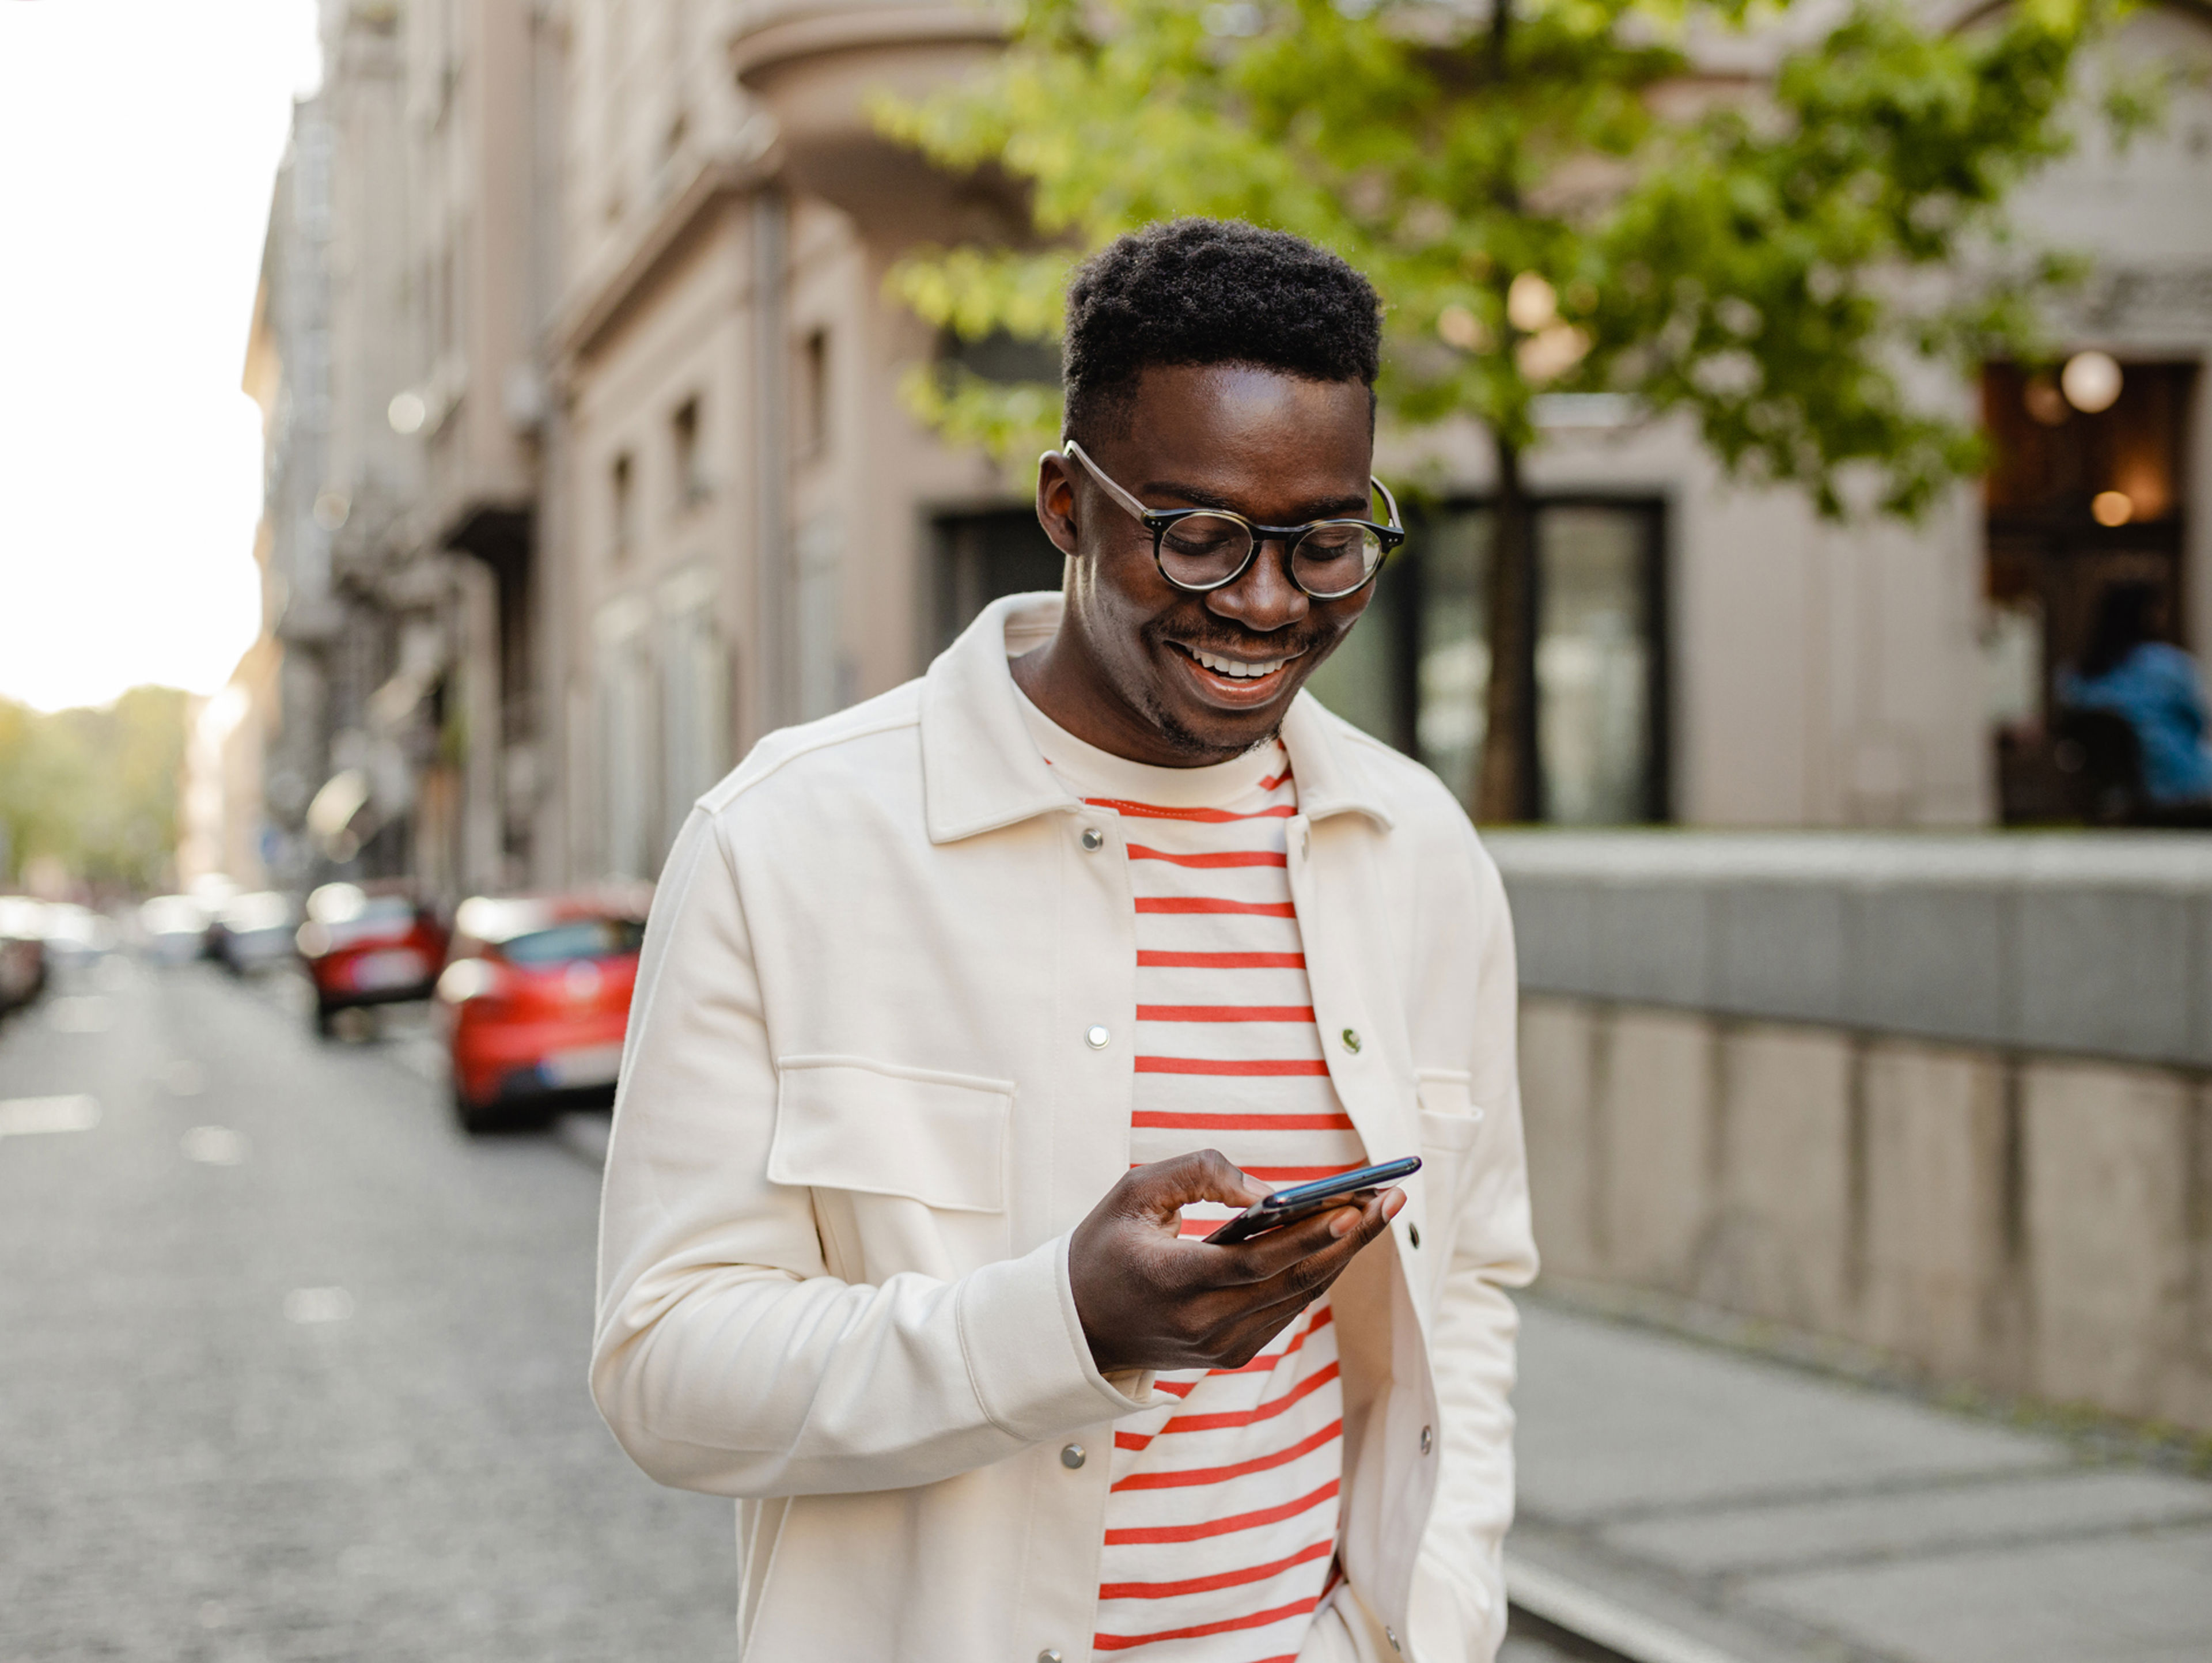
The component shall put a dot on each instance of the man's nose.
(1264, 599)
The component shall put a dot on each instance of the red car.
(374, 944)
(537, 998)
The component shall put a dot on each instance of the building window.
(812, 427)
(2088, 490)
(689, 471)
(1416, 672)
(622, 490)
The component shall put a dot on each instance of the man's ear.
(1056, 502)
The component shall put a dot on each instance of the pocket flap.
(1449, 1118)
(846, 1123)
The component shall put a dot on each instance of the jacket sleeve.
(1458, 1610)
(725, 1358)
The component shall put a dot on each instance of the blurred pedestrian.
(2130, 670)
(953, 1003)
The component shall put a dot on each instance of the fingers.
(1167, 1187)
(1320, 1248)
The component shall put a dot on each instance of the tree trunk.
(1506, 790)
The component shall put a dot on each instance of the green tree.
(1550, 200)
(93, 789)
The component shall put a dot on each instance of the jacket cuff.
(1027, 1358)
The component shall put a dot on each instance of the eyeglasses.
(1202, 549)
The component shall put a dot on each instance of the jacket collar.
(980, 769)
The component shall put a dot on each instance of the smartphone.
(1287, 1206)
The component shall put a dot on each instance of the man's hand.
(1151, 1297)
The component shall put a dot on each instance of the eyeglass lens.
(1334, 558)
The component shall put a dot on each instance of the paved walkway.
(1716, 1507)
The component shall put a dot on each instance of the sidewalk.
(1723, 1508)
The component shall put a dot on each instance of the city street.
(292, 1369)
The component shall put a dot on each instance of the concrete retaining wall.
(2095, 945)
(2037, 1225)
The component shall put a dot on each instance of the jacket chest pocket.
(1450, 1124)
(908, 1165)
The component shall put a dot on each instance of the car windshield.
(581, 937)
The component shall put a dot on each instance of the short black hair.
(1194, 291)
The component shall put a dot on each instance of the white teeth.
(1237, 667)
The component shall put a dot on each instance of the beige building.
(588, 467)
(756, 532)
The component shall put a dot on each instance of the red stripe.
(1258, 1619)
(1258, 1065)
(1227, 857)
(1297, 1174)
(1228, 1418)
(1189, 1478)
(1260, 1365)
(1225, 1013)
(1207, 903)
(1155, 959)
(1227, 1579)
(1274, 780)
(1202, 817)
(1139, 1535)
(1161, 1119)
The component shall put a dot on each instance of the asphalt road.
(290, 1368)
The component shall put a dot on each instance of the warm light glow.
(1530, 303)
(2091, 381)
(138, 141)
(1552, 352)
(1459, 327)
(2112, 507)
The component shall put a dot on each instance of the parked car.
(368, 945)
(252, 932)
(76, 935)
(22, 950)
(174, 927)
(537, 999)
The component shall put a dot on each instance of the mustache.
(1230, 644)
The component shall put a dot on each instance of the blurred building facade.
(587, 467)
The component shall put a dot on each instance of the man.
(953, 1003)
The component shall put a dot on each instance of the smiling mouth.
(1235, 669)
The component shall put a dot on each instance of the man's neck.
(1061, 679)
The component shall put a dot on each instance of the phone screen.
(1288, 1206)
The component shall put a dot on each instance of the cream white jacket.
(859, 1119)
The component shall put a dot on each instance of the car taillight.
(467, 979)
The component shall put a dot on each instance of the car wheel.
(474, 1118)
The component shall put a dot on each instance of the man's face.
(1279, 451)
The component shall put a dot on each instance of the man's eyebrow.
(1335, 507)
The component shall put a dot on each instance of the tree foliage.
(1761, 220)
(94, 792)
(1744, 247)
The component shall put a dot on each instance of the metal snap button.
(1049, 1654)
(1414, 1233)
(1095, 1037)
(1072, 1457)
(1093, 839)
(1352, 1041)
(1427, 1438)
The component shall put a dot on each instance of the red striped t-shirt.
(1222, 1520)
